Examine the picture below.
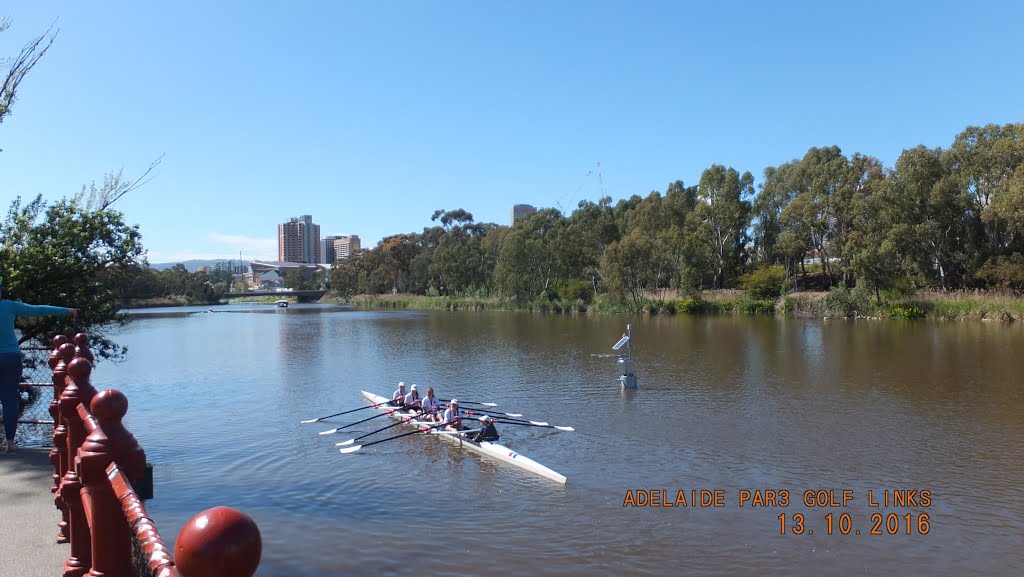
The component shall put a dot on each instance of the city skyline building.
(327, 252)
(521, 211)
(346, 245)
(298, 240)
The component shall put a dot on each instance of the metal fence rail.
(35, 427)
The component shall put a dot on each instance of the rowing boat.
(494, 450)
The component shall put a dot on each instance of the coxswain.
(452, 416)
(487, 430)
(398, 398)
(430, 406)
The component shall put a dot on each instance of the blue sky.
(371, 115)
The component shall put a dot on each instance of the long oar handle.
(348, 450)
(533, 425)
(506, 419)
(339, 414)
(377, 416)
(493, 413)
(405, 420)
(487, 412)
(471, 403)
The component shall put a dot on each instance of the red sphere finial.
(59, 340)
(66, 352)
(80, 369)
(219, 542)
(109, 405)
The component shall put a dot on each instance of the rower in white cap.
(487, 430)
(453, 416)
(398, 398)
(413, 398)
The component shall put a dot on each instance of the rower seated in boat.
(430, 407)
(412, 400)
(453, 417)
(398, 398)
(487, 431)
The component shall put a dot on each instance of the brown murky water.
(725, 405)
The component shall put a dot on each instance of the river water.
(725, 404)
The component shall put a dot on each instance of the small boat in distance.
(281, 303)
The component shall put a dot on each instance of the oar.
(459, 432)
(471, 403)
(341, 413)
(505, 416)
(489, 412)
(350, 441)
(336, 429)
(533, 425)
(348, 450)
(538, 423)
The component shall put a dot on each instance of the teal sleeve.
(24, 310)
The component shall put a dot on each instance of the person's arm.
(24, 310)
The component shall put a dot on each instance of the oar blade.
(328, 432)
(348, 450)
(309, 421)
(513, 414)
(489, 404)
(565, 428)
(540, 423)
(343, 443)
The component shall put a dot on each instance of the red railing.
(96, 460)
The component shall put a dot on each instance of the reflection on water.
(724, 403)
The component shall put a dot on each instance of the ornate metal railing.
(97, 463)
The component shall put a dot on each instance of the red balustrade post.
(82, 348)
(59, 431)
(79, 390)
(108, 441)
(58, 455)
(219, 542)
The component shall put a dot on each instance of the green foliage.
(765, 283)
(68, 255)
(757, 307)
(1004, 271)
(692, 306)
(845, 302)
(789, 305)
(577, 290)
(906, 312)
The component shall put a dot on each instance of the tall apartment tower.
(521, 211)
(344, 246)
(327, 248)
(298, 240)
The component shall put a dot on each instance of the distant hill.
(192, 265)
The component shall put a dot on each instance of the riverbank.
(180, 301)
(838, 303)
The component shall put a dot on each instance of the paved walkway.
(28, 517)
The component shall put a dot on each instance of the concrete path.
(28, 517)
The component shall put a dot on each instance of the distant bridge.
(303, 296)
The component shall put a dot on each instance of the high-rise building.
(344, 246)
(327, 251)
(521, 211)
(298, 240)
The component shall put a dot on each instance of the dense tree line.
(944, 218)
(200, 287)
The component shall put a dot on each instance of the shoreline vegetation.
(940, 234)
(839, 303)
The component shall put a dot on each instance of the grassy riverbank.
(838, 303)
